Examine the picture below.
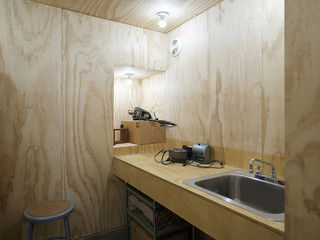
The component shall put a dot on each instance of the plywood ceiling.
(140, 13)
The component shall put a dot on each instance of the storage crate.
(145, 132)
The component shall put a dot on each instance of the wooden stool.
(49, 211)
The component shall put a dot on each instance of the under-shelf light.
(129, 80)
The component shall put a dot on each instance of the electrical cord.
(209, 165)
(186, 162)
(167, 161)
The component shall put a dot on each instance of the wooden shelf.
(138, 216)
(145, 223)
(141, 196)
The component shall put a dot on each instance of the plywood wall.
(273, 142)
(56, 121)
(125, 97)
(302, 125)
(226, 88)
(31, 147)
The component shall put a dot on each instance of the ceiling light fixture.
(162, 16)
(129, 80)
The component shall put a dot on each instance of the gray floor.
(114, 234)
(120, 234)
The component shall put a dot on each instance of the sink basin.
(244, 190)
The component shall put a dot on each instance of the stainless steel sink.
(246, 191)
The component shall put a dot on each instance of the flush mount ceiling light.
(162, 16)
(129, 80)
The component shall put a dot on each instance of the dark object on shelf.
(123, 132)
(141, 114)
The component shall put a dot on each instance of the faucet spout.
(273, 174)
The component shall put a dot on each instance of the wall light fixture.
(162, 16)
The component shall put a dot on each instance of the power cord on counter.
(164, 162)
(187, 162)
(209, 165)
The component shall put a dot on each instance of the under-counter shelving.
(144, 222)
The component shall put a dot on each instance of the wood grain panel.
(139, 12)
(221, 89)
(302, 125)
(89, 62)
(237, 77)
(138, 73)
(153, 95)
(119, 44)
(125, 97)
(273, 84)
(56, 116)
(88, 147)
(89, 117)
(226, 88)
(31, 113)
(123, 149)
(126, 149)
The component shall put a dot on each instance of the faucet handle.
(273, 175)
(258, 171)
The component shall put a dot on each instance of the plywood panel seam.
(63, 90)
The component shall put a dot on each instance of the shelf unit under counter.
(144, 222)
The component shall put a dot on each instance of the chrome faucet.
(273, 174)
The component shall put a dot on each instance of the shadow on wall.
(13, 113)
(12, 118)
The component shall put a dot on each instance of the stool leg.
(30, 231)
(67, 228)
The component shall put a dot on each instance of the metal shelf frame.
(137, 216)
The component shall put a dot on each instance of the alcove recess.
(141, 93)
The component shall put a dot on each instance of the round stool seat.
(48, 211)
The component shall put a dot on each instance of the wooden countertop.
(212, 215)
